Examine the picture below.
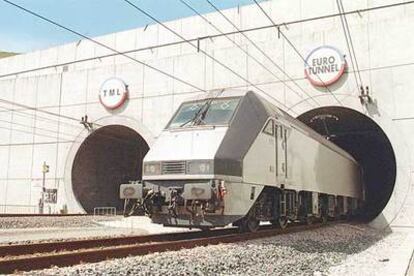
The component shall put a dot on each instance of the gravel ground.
(26, 230)
(306, 253)
(373, 260)
(50, 222)
(26, 236)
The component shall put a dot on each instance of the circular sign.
(324, 66)
(113, 93)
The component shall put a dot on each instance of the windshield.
(216, 112)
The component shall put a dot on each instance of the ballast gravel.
(316, 252)
(50, 221)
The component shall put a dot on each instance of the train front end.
(181, 185)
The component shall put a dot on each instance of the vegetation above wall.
(6, 54)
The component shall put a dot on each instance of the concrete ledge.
(144, 223)
(401, 262)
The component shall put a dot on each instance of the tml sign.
(324, 66)
(113, 93)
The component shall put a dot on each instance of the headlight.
(152, 168)
(200, 167)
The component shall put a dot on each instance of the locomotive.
(232, 157)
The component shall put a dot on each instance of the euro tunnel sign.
(51, 195)
(324, 66)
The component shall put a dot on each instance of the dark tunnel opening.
(108, 157)
(361, 137)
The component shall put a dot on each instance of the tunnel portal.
(360, 136)
(108, 157)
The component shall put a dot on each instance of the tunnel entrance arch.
(111, 154)
(365, 140)
(108, 157)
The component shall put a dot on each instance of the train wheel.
(337, 215)
(249, 224)
(324, 217)
(349, 216)
(281, 222)
(309, 220)
(242, 225)
(252, 224)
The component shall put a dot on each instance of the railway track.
(27, 257)
(44, 215)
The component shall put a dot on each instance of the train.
(232, 157)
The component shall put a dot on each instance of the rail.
(18, 209)
(27, 257)
(41, 215)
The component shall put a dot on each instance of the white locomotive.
(233, 157)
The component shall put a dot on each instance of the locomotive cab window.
(269, 128)
(206, 112)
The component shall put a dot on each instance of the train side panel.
(259, 164)
(240, 198)
(312, 166)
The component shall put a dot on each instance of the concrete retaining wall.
(383, 45)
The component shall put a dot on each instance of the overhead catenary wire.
(22, 113)
(351, 41)
(305, 20)
(294, 48)
(59, 122)
(134, 59)
(202, 51)
(38, 110)
(102, 45)
(244, 51)
(373, 68)
(35, 143)
(37, 117)
(27, 107)
(36, 128)
(31, 132)
(350, 44)
(356, 11)
(262, 52)
(94, 41)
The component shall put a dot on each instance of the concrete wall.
(383, 45)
